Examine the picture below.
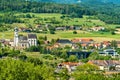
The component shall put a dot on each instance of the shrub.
(113, 33)
(52, 32)
(74, 32)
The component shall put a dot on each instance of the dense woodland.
(107, 12)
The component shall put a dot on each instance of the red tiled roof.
(86, 40)
(70, 63)
(81, 40)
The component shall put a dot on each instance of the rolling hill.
(78, 1)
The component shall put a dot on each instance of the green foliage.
(113, 33)
(94, 56)
(52, 32)
(33, 49)
(74, 32)
(35, 61)
(28, 16)
(114, 44)
(64, 75)
(40, 7)
(9, 18)
(92, 76)
(22, 57)
(73, 58)
(118, 50)
(87, 67)
(48, 56)
(11, 69)
(64, 55)
(45, 38)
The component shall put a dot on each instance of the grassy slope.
(66, 34)
(72, 21)
(69, 35)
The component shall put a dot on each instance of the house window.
(22, 45)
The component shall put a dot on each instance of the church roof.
(22, 37)
(32, 36)
(23, 42)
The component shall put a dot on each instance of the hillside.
(107, 12)
(78, 1)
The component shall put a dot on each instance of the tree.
(113, 33)
(33, 49)
(87, 67)
(28, 16)
(114, 44)
(64, 54)
(52, 32)
(64, 74)
(45, 38)
(74, 32)
(11, 69)
(73, 58)
(93, 56)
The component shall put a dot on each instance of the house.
(77, 28)
(111, 52)
(56, 45)
(71, 66)
(106, 44)
(97, 28)
(118, 44)
(64, 42)
(84, 42)
(22, 29)
(11, 43)
(98, 45)
(106, 65)
(60, 28)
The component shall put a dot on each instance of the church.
(22, 42)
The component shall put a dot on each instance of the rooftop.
(32, 36)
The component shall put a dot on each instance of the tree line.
(41, 7)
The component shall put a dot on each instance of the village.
(82, 48)
(59, 40)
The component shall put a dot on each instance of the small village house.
(106, 65)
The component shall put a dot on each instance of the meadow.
(45, 18)
(97, 36)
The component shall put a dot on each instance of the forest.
(107, 12)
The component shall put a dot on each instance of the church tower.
(15, 37)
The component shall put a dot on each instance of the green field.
(97, 36)
(44, 18)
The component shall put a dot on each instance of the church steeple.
(16, 37)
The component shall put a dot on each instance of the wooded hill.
(107, 12)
